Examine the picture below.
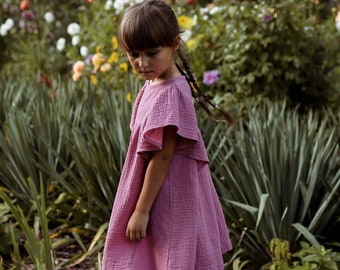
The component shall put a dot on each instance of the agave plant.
(69, 148)
(276, 170)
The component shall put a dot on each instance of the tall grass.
(71, 144)
(275, 171)
(62, 150)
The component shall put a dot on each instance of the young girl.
(166, 213)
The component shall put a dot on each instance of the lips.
(145, 72)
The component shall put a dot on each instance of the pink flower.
(210, 77)
(267, 18)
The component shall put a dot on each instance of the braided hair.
(153, 23)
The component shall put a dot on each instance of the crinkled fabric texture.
(186, 228)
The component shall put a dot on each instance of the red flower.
(191, 1)
(24, 4)
(46, 80)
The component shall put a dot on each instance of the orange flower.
(24, 5)
(78, 68)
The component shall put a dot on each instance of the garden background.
(66, 94)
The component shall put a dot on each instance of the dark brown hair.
(151, 24)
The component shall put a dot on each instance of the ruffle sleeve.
(172, 106)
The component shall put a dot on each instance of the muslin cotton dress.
(186, 229)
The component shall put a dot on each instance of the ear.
(177, 43)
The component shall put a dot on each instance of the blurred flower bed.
(239, 48)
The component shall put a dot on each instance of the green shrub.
(280, 49)
(29, 46)
(275, 170)
(70, 139)
(284, 49)
(75, 140)
(69, 145)
(308, 257)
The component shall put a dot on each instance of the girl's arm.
(154, 177)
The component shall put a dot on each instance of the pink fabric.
(186, 228)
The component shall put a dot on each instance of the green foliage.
(6, 230)
(71, 145)
(76, 140)
(277, 48)
(284, 49)
(70, 140)
(309, 257)
(277, 169)
(317, 257)
(39, 250)
(30, 45)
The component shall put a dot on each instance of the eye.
(152, 53)
(133, 54)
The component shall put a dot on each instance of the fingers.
(135, 236)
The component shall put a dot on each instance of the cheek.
(132, 62)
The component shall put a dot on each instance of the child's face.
(156, 64)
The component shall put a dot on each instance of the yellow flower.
(114, 42)
(97, 60)
(94, 80)
(51, 188)
(192, 44)
(128, 97)
(123, 67)
(185, 22)
(113, 58)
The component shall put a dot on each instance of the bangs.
(141, 31)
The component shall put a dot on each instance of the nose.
(142, 61)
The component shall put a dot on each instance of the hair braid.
(194, 86)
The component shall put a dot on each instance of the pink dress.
(186, 229)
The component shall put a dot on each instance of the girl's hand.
(136, 228)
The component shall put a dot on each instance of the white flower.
(84, 51)
(186, 35)
(204, 10)
(5, 27)
(61, 44)
(337, 25)
(119, 5)
(108, 5)
(73, 29)
(75, 40)
(337, 21)
(3, 30)
(9, 23)
(214, 10)
(194, 20)
(49, 17)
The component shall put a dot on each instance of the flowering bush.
(101, 60)
(32, 36)
(276, 48)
